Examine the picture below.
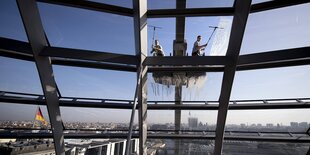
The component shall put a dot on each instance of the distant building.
(259, 125)
(253, 125)
(269, 125)
(72, 147)
(192, 122)
(243, 125)
(102, 146)
(27, 147)
(303, 124)
(294, 124)
(159, 127)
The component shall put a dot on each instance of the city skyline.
(287, 82)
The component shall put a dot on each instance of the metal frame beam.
(271, 57)
(186, 68)
(36, 36)
(133, 111)
(95, 6)
(164, 13)
(305, 139)
(209, 132)
(179, 39)
(22, 51)
(89, 55)
(94, 65)
(269, 5)
(33, 99)
(15, 46)
(187, 60)
(280, 58)
(221, 11)
(242, 9)
(140, 32)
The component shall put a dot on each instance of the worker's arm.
(201, 46)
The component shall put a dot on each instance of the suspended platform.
(187, 79)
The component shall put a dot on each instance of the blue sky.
(84, 29)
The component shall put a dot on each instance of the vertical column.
(177, 117)
(179, 44)
(242, 8)
(140, 30)
(99, 150)
(179, 49)
(108, 149)
(178, 101)
(124, 147)
(34, 29)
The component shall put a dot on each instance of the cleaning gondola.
(188, 78)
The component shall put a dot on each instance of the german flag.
(39, 117)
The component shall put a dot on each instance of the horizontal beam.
(275, 56)
(15, 49)
(161, 13)
(280, 58)
(94, 65)
(223, 11)
(22, 51)
(95, 6)
(187, 60)
(190, 12)
(305, 139)
(186, 68)
(275, 4)
(72, 103)
(274, 65)
(151, 131)
(89, 55)
(127, 104)
(272, 59)
(231, 106)
(15, 46)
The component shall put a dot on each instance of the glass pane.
(204, 26)
(93, 83)
(11, 23)
(194, 120)
(199, 120)
(277, 83)
(22, 117)
(161, 120)
(161, 4)
(84, 29)
(19, 76)
(280, 120)
(198, 86)
(122, 3)
(181, 146)
(97, 119)
(250, 147)
(269, 31)
(209, 3)
(260, 1)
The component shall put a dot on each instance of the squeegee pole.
(214, 28)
